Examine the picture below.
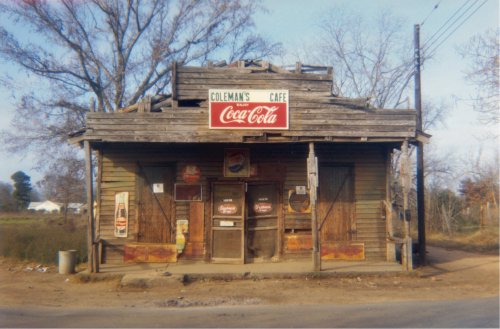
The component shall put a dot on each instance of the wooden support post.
(174, 81)
(405, 173)
(90, 207)
(390, 244)
(312, 173)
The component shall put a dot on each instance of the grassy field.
(483, 241)
(35, 237)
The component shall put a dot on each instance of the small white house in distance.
(75, 208)
(45, 206)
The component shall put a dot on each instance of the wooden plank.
(342, 251)
(196, 222)
(260, 82)
(309, 108)
(150, 253)
(297, 223)
(224, 73)
(298, 242)
(90, 213)
(194, 250)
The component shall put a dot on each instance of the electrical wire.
(447, 21)
(433, 51)
(433, 39)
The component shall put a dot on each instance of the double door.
(244, 222)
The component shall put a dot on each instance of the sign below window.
(300, 190)
(158, 188)
(248, 109)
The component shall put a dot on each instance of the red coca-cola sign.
(248, 109)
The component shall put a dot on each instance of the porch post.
(90, 207)
(405, 173)
(312, 174)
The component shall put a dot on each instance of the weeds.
(484, 240)
(40, 239)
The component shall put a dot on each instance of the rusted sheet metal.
(342, 251)
(194, 250)
(150, 253)
(298, 242)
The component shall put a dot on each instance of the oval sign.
(227, 209)
(262, 207)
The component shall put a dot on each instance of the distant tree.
(444, 210)
(64, 182)
(483, 53)
(22, 189)
(481, 193)
(35, 195)
(7, 202)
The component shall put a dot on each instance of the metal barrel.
(67, 261)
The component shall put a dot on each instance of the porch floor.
(282, 268)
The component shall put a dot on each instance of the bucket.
(67, 261)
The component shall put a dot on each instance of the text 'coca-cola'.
(247, 115)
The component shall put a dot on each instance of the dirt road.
(451, 275)
(475, 313)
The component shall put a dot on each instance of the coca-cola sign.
(248, 109)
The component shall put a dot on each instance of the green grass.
(35, 238)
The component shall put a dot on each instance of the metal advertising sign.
(121, 214)
(248, 109)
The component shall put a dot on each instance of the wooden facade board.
(298, 242)
(121, 162)
(342, 251)
(187, 125)
(149, 253)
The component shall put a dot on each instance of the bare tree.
(482, 51)
(64, 181)
(370, 59)
(114, 50)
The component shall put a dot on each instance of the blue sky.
(294, 23)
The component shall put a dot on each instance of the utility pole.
(420, 151)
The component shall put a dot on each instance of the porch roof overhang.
(315, 114)
(190, 125)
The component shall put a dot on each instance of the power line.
(433, 51)
(440, 32)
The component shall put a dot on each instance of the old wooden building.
(242, 163)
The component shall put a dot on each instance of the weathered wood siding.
(314, 113)
(120, 174)
(190, 125)
(369, 191)
(194, 82)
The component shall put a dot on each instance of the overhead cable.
(432, 51)
(447, 25)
